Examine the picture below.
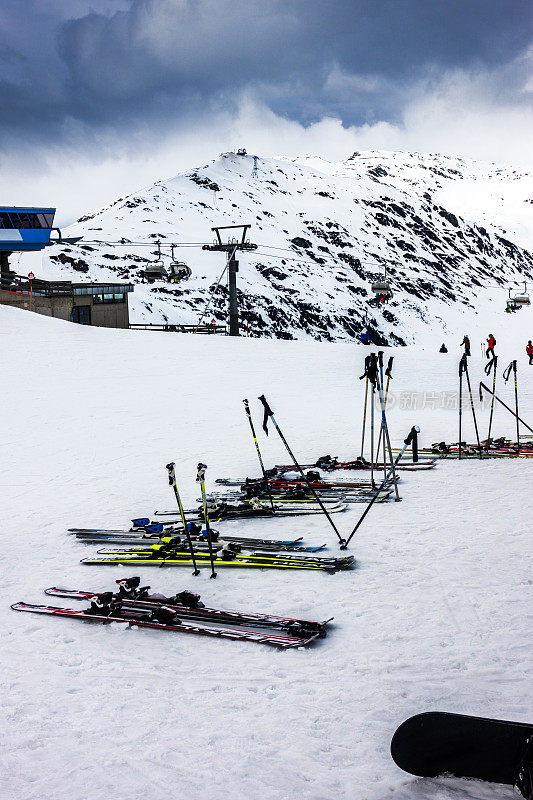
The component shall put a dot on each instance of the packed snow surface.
(434, 617)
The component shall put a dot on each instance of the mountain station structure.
(99, 304)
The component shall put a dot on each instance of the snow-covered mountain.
(453, 235)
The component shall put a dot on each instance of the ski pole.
(384, 426)
(465, 370)
(248, 414)
(269, 413)
(492, 365)
(372, 403)
(380, 437)
(364, 417)
(411, 439)
(388, 373)
(461, 362)
(172, 482)
(200, 478)
(482, 385)
(365, 374)
(506, 374)
(516, 406)
(371, 372)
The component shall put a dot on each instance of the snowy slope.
(434, 616)
(452, 233)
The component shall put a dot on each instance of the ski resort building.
(29, 229)
(104, 305)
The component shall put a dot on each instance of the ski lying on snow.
(237, 539)
(144, 600)
(137, 619)
(349, 496)
(305, 502)
(357, 466)
(202, 544)
(281, 482)
(268, 512)
(176, 552)
(258, 562)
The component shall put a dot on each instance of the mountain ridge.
(325, 230)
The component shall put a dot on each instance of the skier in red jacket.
(491, 341)
(529, 351)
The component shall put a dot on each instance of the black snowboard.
(468, 747)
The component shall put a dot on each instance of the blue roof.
(25, 227)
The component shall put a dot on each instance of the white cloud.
(461, 114)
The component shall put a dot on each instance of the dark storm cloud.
(125, 62)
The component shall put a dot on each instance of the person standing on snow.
(529, 351)
(466, 343)
(365, 336)
(491, 341)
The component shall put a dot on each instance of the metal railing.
(18, 284)
(176, 328)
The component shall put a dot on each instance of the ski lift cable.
(142, 244)
(290, 250)
(270, 255)
(201, 244)
(310, 260)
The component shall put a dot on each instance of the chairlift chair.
(382, 291)
(179, 271)
(520, 298)
(155, 270)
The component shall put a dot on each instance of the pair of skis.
(222, 506)
(492, 448)
(183, 612)
(360, 463)
(283, 482)
(160, 556)
(244, 543)
(332, 500)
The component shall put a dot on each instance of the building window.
(44, 220)
(116, 297)
(15, 221)
(25, 219)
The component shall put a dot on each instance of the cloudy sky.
(101, 97)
